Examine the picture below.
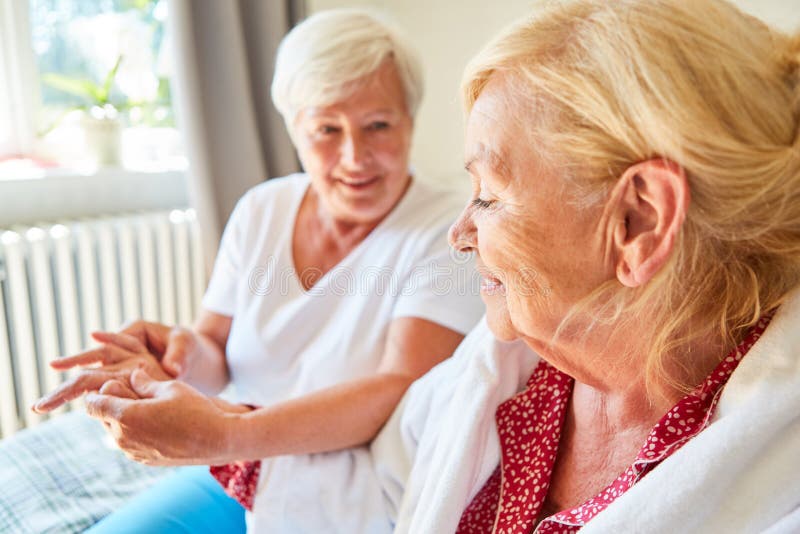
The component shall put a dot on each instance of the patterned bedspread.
(64, 475)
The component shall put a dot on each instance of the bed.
(65, 475)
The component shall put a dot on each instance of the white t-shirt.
(286, 342)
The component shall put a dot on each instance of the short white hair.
(321, 56)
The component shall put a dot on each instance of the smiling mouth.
(492, 286)
(358, 183)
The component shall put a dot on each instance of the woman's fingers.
(90, 380)
(154, 336)
(147, 387)
(108, 354)
(118, 388)
(121, 339)
(85, 358)
(108, 409)
(181, 341)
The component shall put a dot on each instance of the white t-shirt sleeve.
(441, 289)
(220, 296)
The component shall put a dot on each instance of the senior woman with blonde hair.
(332, 291)
(636, 218)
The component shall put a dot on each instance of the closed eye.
(481, 204)
(378, 125)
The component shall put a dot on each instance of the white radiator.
(62, 281)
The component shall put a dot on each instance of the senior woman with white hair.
(332, 291)
(636, 218)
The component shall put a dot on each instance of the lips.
(358, 182)
(490, 285)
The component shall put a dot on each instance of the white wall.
(781, 14)
(447, 33)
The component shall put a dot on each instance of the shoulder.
(428, 204)
(423, 216)
(481, 365)
(447, 202)
(443, 427)
(276, 189)
(273, 196)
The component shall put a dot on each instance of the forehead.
(495, 133)
(381, 90)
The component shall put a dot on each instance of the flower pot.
(103, 136)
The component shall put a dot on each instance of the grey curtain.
(224, 54)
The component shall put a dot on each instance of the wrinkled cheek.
(530, 283)
(517, 247)
(528, 288)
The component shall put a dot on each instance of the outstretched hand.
(165, 422)
(169, 345)
(118, 356)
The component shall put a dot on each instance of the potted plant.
(101, 118)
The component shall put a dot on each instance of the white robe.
(740, 474)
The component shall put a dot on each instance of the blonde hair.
(320, 59)
(698, 83)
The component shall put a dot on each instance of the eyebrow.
(316, 113)
(382, 111)
(491, 158)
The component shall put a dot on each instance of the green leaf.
(163, 94)
(109, 81)
(139, 5)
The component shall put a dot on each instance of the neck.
(342, 232)
(609, 364)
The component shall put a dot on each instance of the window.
(87, 84)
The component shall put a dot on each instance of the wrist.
(231, 435)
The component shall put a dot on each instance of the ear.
(649, 205)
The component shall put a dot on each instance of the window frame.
(20, 108)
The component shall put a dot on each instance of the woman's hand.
(171, 424)
(194, 355)
(118, 356)
(173, 346)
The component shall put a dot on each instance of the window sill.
(57, 194)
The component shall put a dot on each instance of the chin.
(500, 324)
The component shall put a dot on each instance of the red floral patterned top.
(239, 479)
(529, 427)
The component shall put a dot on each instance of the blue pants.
(187, 501)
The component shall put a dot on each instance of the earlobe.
(651, 201)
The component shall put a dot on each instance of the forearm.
(339, 417)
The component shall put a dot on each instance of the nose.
(355, 150)
(462, 234)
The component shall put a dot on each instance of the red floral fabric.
(239, 480)
(529, 427)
